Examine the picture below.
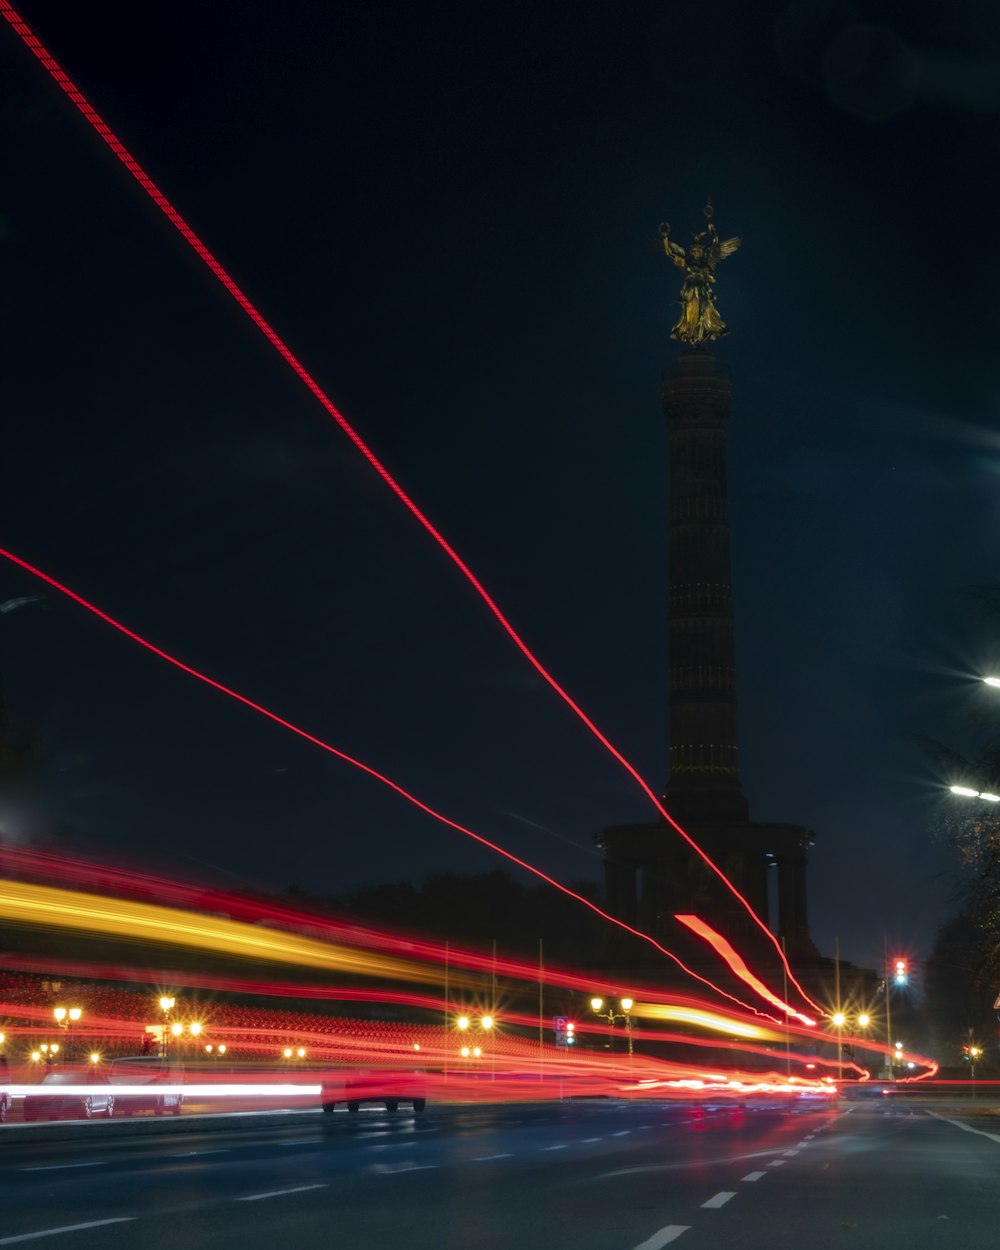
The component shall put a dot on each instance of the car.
(54, 1105)
(5, 1098)
(387, 1086)
(151, 1070)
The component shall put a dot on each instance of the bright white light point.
(971, 794)
(990, 798)
(992, 681)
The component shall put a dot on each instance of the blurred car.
(5, 1099)
(53, 1105)
(387, 1086)
(151, 1070)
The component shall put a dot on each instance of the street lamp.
(968, 793)
(65, 1016)
(166, 1006)
(612, 1017)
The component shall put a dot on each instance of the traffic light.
(565, 1030)
(902, 976)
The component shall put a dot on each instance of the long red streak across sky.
(366, 768)
(178, 222)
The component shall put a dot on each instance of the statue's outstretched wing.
(726, 247)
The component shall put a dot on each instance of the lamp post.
(65, 1017)
(166, 1006)
(597, 1005)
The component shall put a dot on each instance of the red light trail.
(366, 768)
(64, 82)
(737, 964)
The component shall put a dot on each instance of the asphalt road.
(591, 1176)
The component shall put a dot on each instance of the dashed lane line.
(562, 1146)
(58, 1167)
(489, 1158)
(776, 1163)
(188, 1154)
(790, 1153)
(588, 1140)
(719, 1200)
(66, 1228)
(753, 1176)
(278, 1193)
(663, 1237)
(622, 1132)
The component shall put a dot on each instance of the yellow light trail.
(53, 907)
(705, 1020)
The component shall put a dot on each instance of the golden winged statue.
(699, 320)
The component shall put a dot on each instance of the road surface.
(590, 1176)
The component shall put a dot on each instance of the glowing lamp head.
(300, 1052)
(964, 791)
(36, 1056)
(166, 1003)
(864, 1020)
(176, 1029)
(465, 1052)
(626, 1004)
(463, 1022)
(3, 1038)
(487, 1023)
(476, 1052)
(95, 1057)
(209, 1048)
(75, 1013)
(597, 1003)
(839, 1019)
(222, 1049)
(54, 1048)
(287, 1052)
(992, 681)
(416, 1045)
(195, 1028)
(59, 1013)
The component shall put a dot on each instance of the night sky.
(450, 213)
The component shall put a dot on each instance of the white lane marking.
(302, 1141)
(776, 1163)
(663, 1237)
(278, 1193)
(966, 1127)
(753, 1176)
(562, 1147)
(622, 1132)
(394, 1169)
(720, 1199)
(187, 1154)
(66, 1228)
(800, 1144)
(588, 1140)
(789, 1153)
(645, 1126)
(488, 1158)
(56, 1167)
